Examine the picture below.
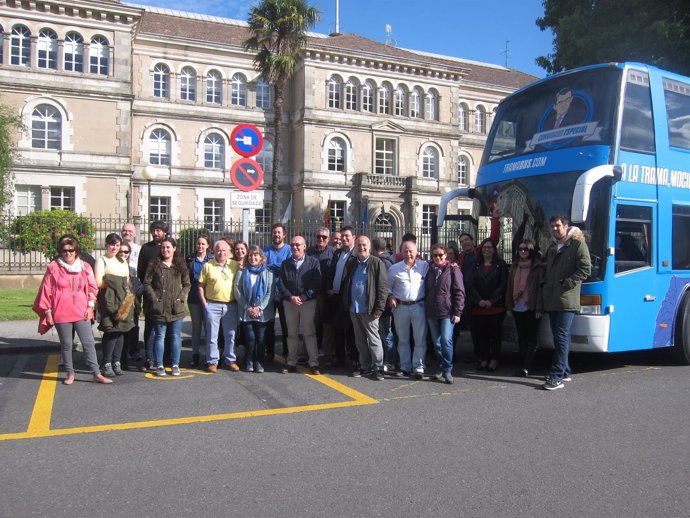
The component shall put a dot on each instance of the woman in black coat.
(486, 293)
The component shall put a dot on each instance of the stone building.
(105, 89)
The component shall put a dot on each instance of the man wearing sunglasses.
(323, 252)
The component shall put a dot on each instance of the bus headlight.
(590, 304)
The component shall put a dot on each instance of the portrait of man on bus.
(567, 110)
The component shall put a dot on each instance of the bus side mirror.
(583, 189)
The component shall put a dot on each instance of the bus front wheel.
(681, 348)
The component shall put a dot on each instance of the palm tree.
(277, 29)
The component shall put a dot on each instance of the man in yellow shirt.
(216, 282)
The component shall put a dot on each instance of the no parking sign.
(246, 174)
(246, 140)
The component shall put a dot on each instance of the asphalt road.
(614, 442)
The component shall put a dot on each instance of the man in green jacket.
(567, 265)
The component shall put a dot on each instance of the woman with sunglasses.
(166, 286)
(523, 299)
(115, 303)
(66, 299)
(486, 291)
(445, 300)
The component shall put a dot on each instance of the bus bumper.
(589, 333)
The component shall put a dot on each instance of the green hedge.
(40, 231)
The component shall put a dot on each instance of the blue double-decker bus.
(609, 146)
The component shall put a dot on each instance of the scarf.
(254, 294)
(520, 281)
(75, 267)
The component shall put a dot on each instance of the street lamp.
(149, 173)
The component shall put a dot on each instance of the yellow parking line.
(43, 406)
(40, 426)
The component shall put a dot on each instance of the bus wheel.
(681, 348)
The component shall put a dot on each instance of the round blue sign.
(246, 140)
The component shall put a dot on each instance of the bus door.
(632, 277)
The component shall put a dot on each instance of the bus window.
(681, 233)
(637, 128)
(677, 97)
(633, 237)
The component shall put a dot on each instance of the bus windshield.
(574, 109)
(526, 204)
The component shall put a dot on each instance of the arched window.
(430, 106)
(334, 92)
(214, 87)
(46, 127)
(480, 120)
(214, 151)
(161, 81)
(47, 49)
(463, 169)
(463, 121)
(351, 95)
(399, 101)
(416, 103)
(384, 99)
(188, 84)
(368, 97)
(263, 93)
(265, 157)
(98, 55)
(238, 94)
(336, 155)
(430, 162)
(160, 145)
(74, 52)
(20, 46)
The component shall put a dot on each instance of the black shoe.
(401, 374)
(522, 373)
(418, 375)
(379, 376)
(289, 369)
(195, 360)
(482, 366)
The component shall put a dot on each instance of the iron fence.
(186, 230)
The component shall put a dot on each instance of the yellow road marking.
(41, 427)
(184, 374)
(43, 406)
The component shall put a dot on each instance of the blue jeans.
(390, 355)
(255, 334)
(173, 328)
(403, 318)
(217, 312)
(560, 328)
(442, 335)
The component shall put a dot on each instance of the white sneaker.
(175, 370)
(160, 371)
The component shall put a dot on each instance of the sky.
(469, 29)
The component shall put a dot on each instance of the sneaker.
(108, 371)
(175, 370)
(552, 384)
(379, 376)
(419, 375)
(149, 365)
(567, 377)
(249, 367)
(117, 369)
(357, 373)
(522, 373)
(258, 368)
(314, 371)
(160, 371)
(401, 374)
(448, 377)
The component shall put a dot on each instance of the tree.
(40, 231)
(656, 32)
(10, 124)
(277, 29)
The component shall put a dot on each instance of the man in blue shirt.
(276, 253)
(364, 290)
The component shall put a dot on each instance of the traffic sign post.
(246, 140)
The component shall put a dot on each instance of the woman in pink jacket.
(66, 300)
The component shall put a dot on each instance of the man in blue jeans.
(567, 265)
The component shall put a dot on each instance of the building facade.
(371, 132)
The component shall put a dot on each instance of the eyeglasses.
(440, 256)
(321, 237)
(124, 251)
(67, 251)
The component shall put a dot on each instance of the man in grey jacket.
(567, 265)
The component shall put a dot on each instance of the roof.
(224, 31)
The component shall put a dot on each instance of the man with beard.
(276, 253)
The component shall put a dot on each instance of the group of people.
(350, 299)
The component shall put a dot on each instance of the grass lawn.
(15, 304)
